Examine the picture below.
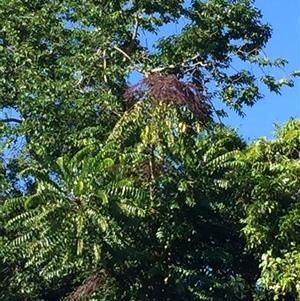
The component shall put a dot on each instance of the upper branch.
(11, 120)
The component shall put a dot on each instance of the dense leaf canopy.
(119, 191)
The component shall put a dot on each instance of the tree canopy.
(113, 190)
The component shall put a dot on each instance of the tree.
(161, 226)
(101, 158)
(269, 182)
(65, 66)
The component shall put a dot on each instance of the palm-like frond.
(66, 216)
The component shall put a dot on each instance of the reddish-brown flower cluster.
(170, 89)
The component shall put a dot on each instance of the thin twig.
(134, 34)
(183, 64)
(104, 65)
(123, 52)
(160, 69)
(79, 82)
(11, 120)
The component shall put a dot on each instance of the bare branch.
(160, 69)
(104, 65)
(123, 52)
(193, 67)
(184, 64)
(134, 34)
(79, 82)
(189, 59)
(126, 56)
(136, 27)
(11, 120)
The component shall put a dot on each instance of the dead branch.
(104, 65)
(123, 52)
(134, 34)
(184, 64)
(11, 120)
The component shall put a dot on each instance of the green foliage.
(65, 66)
(269, 191)
(107, 196)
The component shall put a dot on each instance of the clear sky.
(284, 16)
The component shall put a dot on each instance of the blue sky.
(284, 16)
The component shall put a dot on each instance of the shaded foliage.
(134, 192)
